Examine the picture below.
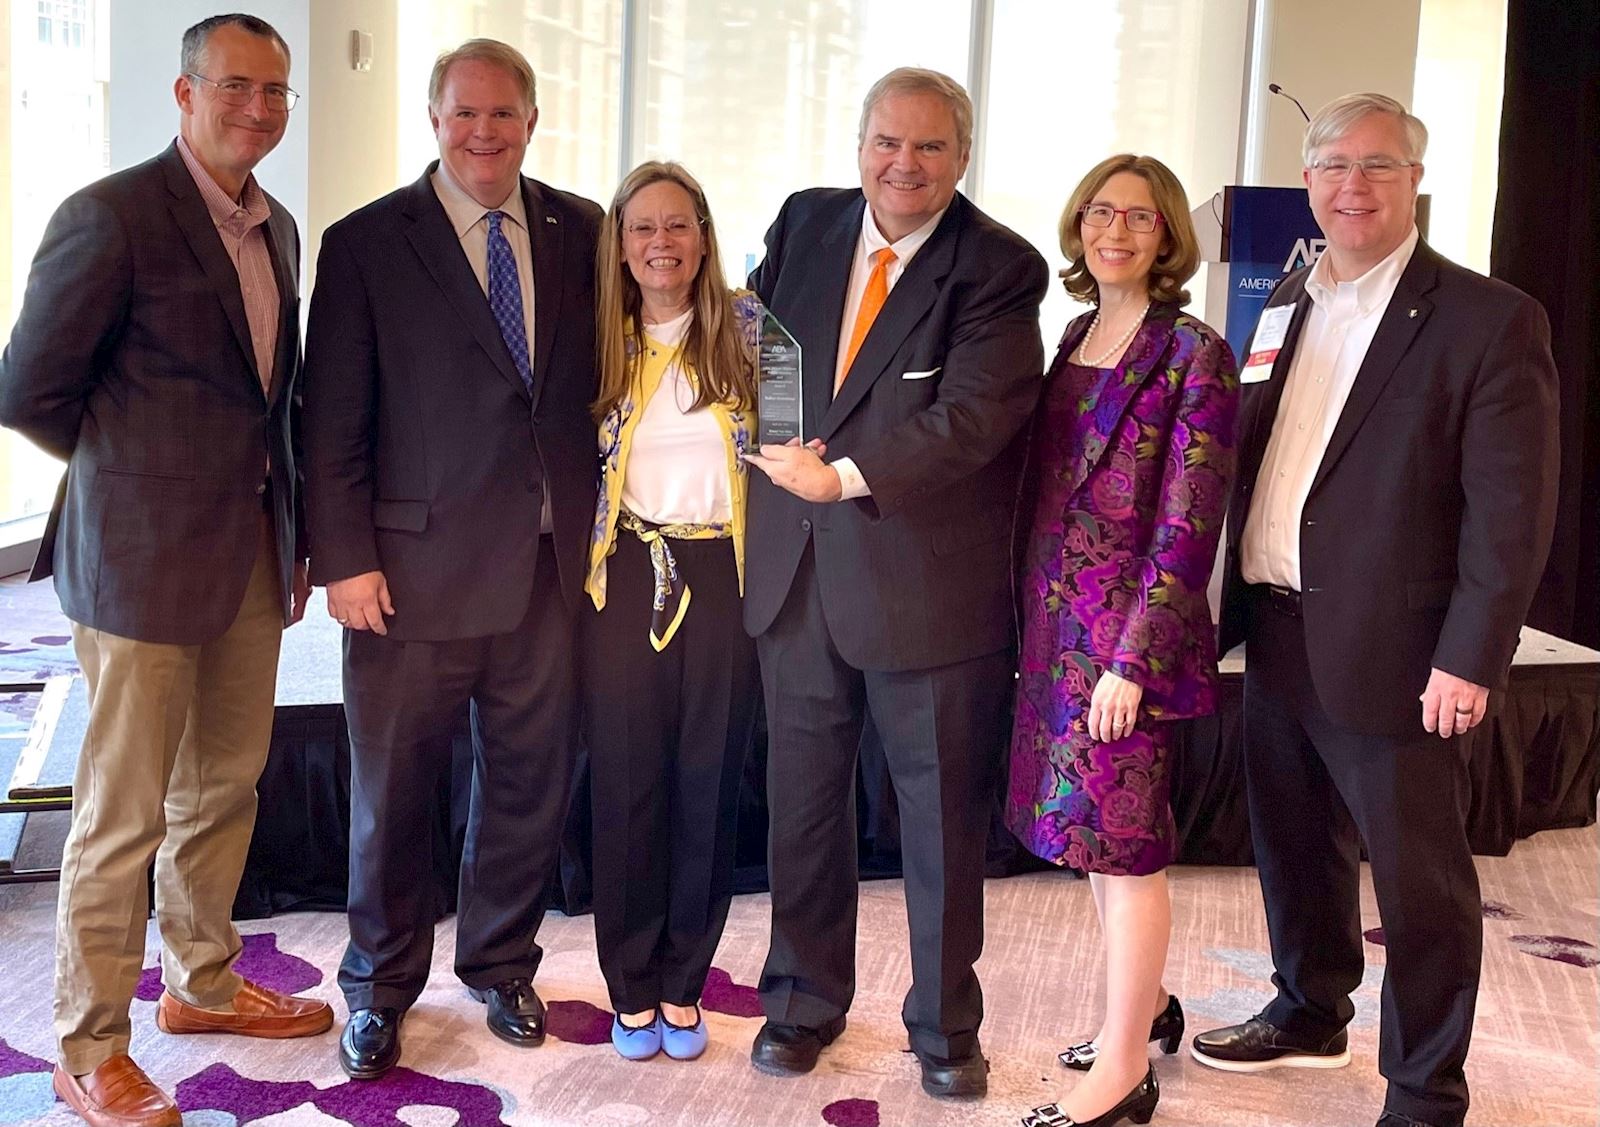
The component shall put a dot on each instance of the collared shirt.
(469, 218)
(241, 225)
(870, 242)
(1333, 344)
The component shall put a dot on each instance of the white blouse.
(678, 465)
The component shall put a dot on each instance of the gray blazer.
(132, 361)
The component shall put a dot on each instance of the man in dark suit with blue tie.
(450, 486)
(879, 566)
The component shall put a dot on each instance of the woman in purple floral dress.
(1123, 501)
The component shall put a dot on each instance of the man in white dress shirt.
(1393, 509)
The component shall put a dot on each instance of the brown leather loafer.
(117, 1094)
(257, 1012)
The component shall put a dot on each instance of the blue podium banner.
(1267, 233)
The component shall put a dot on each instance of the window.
(760, 100)
(62, 23)
(58, 90)
(1461, 55)
(1071, 84)
(576, 51)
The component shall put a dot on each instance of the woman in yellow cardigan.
(669, 679)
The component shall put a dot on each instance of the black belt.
(1284, 600)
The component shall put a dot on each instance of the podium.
(1249, 239)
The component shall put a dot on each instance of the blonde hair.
(1337, 118)
(1179, 256)
(919, 80)
(713, 347)
(490, 51)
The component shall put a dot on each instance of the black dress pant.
(401, 701)
(943, 732)
(1317, 790)
(667, 734)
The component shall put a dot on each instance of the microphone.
(1276, 89)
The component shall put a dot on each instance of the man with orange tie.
(878, 575)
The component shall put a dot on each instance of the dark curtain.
(1547, 243)
(1535, 765)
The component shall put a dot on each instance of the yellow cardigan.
(616, 442)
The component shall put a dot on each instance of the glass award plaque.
(778, 402)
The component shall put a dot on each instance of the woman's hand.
(1113, 707)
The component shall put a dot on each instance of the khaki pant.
(177, 739)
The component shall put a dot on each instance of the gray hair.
(918, 80)
(1339, 116)
(490, 51)
(192, 56)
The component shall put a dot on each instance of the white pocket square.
(922, 375)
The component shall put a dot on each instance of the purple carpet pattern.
(358, 1103)
(260, 961)
(35, 638)
(14, 1062)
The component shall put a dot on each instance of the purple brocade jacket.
(1122, 508)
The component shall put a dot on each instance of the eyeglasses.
(237, 92)
(675, 229)
(1336, 170)
(1138, 219)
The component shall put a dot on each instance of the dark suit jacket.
(916, 575)
(426, 459)
(132, 361)
(1428, 522)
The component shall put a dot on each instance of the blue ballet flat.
(636, 1044)
(684, 1042)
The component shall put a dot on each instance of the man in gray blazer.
(156, 354)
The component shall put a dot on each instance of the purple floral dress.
(1125, 497)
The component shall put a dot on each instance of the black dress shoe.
(789, 1050)
(954, 1077)
(370, 1044)
(1258, 1045)
(1166, 1028)
(516, 1015)
(1138, 1105)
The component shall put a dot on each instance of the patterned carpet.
(1535, 1062)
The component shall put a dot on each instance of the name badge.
(1266, 344)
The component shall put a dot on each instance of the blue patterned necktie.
(505, 298)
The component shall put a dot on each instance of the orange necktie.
(872, 299)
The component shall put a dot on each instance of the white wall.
(351, 125)
(1317, 50)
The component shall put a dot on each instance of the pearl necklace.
(1116, 348)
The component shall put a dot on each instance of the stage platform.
(1535, 765)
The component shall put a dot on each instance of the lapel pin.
(550, 219)
(1413, 313)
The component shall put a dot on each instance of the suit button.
(261, 489)
(805, 525)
